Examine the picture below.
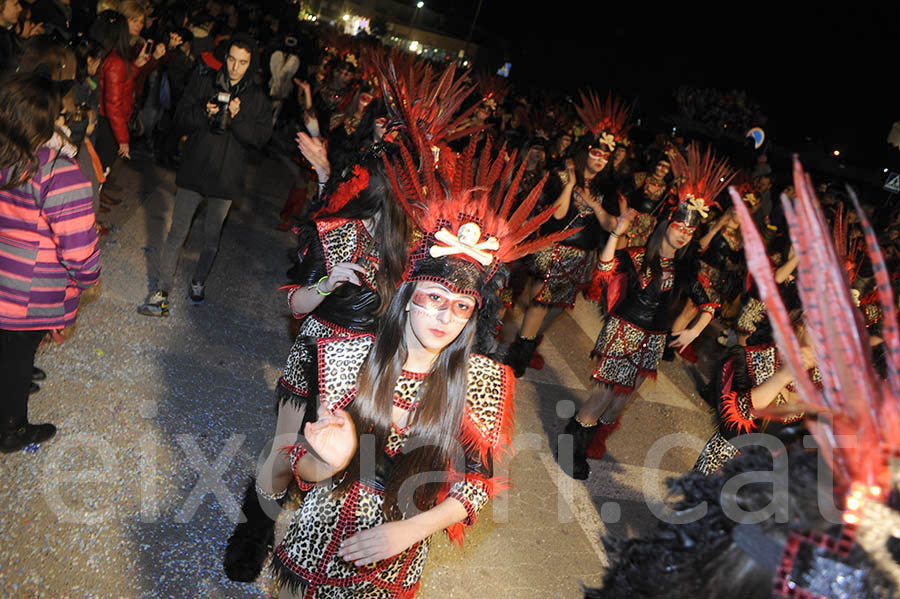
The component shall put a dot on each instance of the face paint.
(433, 301)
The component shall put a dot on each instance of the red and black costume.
(307, 556)
(632, 341)
(648, 194)
(565, 269)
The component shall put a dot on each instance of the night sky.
(831, 76)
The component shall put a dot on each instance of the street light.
(346, 17)
(837, 152)
(412, 19)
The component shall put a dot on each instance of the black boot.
(668, 352)
(581, 439)
(519, 354)
(13, 440)
(250, 543)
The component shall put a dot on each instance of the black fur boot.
(250, 543)
(519, 354)
(581, 439)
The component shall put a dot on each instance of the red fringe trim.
(731, 412)
(732, 416)
(496, 484)
(345, 192)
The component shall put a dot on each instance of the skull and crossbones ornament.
(466, 241)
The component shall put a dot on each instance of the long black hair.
(111, 31)
(390, 235)
(434, 427)
(600, 180)
(653, 250)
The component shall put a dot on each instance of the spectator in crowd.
(117, 76)
(48, 245)
(12, 34)
(225, 114)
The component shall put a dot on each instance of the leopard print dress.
(341, 240)
(306, 560)
(561, 270)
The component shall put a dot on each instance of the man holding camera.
(224, 114)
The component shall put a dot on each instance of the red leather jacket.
(117, 94)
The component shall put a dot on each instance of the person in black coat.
(225, 115)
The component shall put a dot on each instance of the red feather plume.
(853, 403)
(610, 116)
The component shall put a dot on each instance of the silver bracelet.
(270, 496)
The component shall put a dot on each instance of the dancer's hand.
(345, 272)
(683, 338)
(332, 437)
(623, 223)
(378, 543)
(314, 150)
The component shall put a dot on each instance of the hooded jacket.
(214, 162)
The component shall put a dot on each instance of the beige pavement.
(161, 421)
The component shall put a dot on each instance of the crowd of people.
(432, 208)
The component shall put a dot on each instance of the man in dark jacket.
(224, 114)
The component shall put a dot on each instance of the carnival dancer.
(352, 255)
(642, 286)
(587, 202)
(647, 195)
(422, 402)
(721, 263)
(746, 383)
(801, 540)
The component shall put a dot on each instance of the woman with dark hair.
(352, 254)
(438, 413)
(642, 285)
(559, 273)
(720, 262)
(117, 78)
(48, 245)
(647, 194)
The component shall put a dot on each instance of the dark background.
(826, 78)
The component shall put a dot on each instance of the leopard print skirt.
(307, 557)
(716, 453)
(561, 271)
(626, 352)
(293, 386)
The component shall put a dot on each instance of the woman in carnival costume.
(352, 257)
(835, 529)
(720, 259)
(641, 285)
(558, 273)
(414, 400)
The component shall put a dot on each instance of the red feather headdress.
(493, 88)
(857, 415)
(606, 120)
(700, 178)
(848, 250)
(464, 210)
(423, 104)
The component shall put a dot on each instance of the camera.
(222, 119)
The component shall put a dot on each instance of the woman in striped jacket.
(48, 244)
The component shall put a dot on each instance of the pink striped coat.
(48, 245)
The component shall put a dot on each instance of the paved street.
(161, 422)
